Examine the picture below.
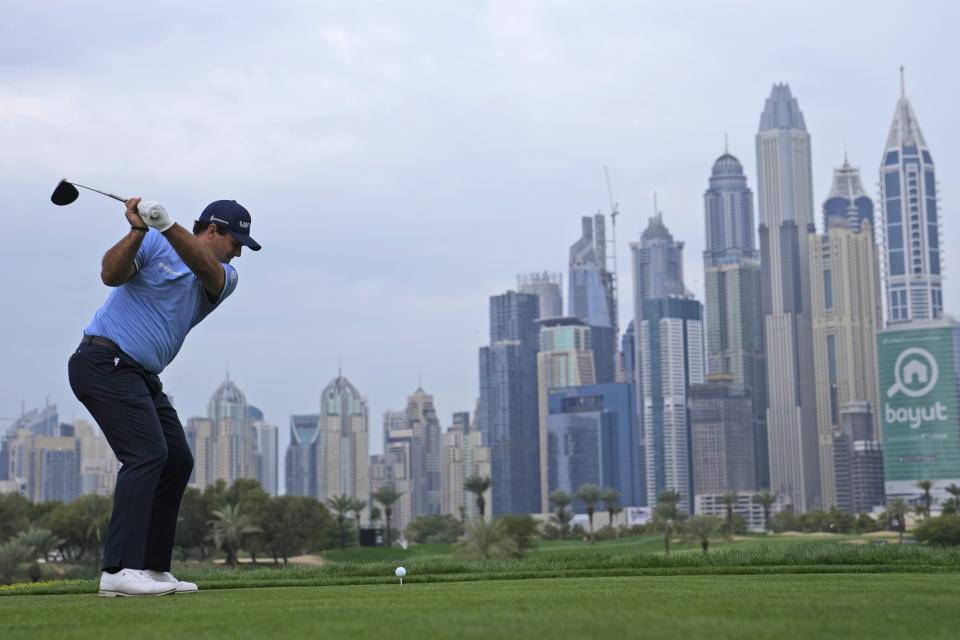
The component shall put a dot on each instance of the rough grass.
(429, 565)
(878, 607)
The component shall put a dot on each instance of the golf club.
(66, 192)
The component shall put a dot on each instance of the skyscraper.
(301, 457)
(402, 465)
(421, 415)
(508, 412)
(845, 303)
(548, 287)
(591, 296)
(721, 427)
(671, 335)
(223, 444)
(464, 456)
(785, 196)
(565, 360)
(592, 438)
(343, 442)
(669, 358)
(328, 451)
(734, 316)
(265, 466)
(657, 265)
(40, 422)
(911, 229)
(48, 466)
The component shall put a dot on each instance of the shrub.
(944, 530)
(434, 528)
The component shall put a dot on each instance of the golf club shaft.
(109, 195)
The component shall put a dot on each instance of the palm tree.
(485, 540)
(925, 485)
(589, 495)
(229, 528)
(765, 499)
(897, 510)
(42, 541)
(561, 500)
(611, 498)
(357, 506)
(666, 514)
(375, 515)
(387, 495)
(341, 506)
(478, 486)
(729, 501)
(952, 505)
(700, 528)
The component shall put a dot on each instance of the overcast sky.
(403, 161)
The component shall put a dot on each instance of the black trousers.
(145, 434)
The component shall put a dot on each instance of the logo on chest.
(169, 270)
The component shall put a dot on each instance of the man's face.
(224, 246)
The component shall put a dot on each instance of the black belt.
(100, 342)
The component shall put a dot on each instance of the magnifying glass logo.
(915, 366)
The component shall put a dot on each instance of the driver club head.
(64, 194)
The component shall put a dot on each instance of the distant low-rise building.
(712, 505)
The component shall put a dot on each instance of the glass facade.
(593, 437)
(508, 411)
(591, 294)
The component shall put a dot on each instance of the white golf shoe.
(165, 577)
(132, 583)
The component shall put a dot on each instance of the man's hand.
(154, 215)
(133, 216)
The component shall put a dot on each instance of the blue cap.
(233, 218)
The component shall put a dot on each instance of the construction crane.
(614, 212)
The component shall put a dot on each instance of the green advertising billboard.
(919, 406)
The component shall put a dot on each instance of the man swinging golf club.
(166, 281)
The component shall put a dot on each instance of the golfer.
(166, 281)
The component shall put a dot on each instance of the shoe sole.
(118, 594)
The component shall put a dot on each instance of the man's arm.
(198, 257)
(117, 265)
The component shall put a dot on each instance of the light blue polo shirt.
(150, 314)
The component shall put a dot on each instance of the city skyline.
(656, 129)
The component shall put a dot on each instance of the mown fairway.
(872, 606)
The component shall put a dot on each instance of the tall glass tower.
(591, 294)
(911, 230)
(508, 407)
(785, 196)
(734, 317)
(668, 323)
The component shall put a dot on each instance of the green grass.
(716, 607)
(614, 559)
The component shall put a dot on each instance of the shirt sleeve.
(147, 250)
(229, 282)
(205, 303)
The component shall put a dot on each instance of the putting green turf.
(874, 606)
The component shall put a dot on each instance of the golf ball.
(400, 572)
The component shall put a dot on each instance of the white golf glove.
(154, 215)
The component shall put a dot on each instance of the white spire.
(905, 130)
